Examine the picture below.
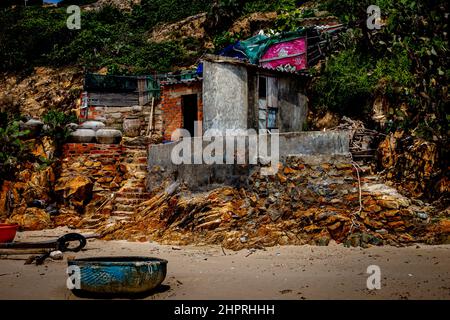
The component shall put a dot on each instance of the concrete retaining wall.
(327, 146)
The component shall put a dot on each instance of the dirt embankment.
(194, 28)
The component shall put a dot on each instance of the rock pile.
(303, 203)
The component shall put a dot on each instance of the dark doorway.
(189, 103)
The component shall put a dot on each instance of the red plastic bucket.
(8, 232)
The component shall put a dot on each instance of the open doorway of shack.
(189, 104)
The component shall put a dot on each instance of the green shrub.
(346, 84)
(288, 20)
(56, 122)
(13, 151)
(108, 37)
(224, 39)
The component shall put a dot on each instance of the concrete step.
(125, 207)
(134, 161)
(92, 223)
(137, 166)
(140, 175)
(135, 154)
(136, 147)
(133, 185)
(139, 172)
(133, 188)
(142, 160)
(119, 213)
(128, 201)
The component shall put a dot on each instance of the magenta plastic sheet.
(291, 53)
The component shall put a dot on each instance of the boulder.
(67, 218)
(44, 148)
(76, 190)
(32, 219)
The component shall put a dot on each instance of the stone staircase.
(134, 191)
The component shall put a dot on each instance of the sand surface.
(288, 272)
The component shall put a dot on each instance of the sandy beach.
(287, 272)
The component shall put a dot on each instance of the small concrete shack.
(234, 94)
(239, 95)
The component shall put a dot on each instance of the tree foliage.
(109, 37)
(406, 61)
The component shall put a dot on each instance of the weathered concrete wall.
(225, 96)
(307, 144)
(314, 143)
(292, 105)
(231, 98)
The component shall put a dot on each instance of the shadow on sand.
(90, 295)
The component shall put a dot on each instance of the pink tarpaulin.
(291, 53)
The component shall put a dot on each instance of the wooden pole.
(150, 120)
(22, 251)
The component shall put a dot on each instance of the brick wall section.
(171, 105)
(110, 150)
(112, 169)
(102, 163)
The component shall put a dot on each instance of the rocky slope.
(44, 89)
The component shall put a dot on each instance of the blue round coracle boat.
(120, 275)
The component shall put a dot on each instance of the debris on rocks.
(361, 138)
